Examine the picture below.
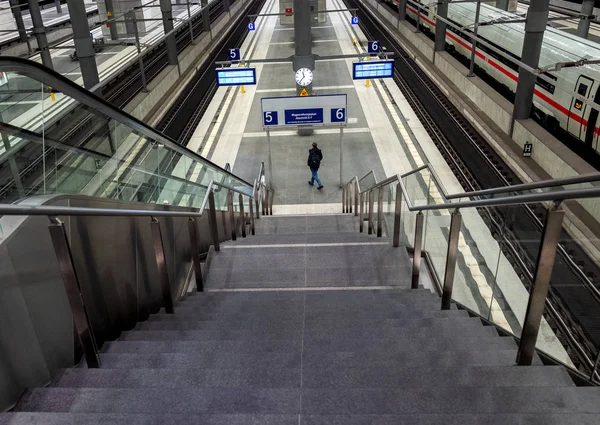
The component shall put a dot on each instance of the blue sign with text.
(251, 26)
(373, 69)
(304, 116)
(270, 118)
(355, 20)
(236, 76)
(234, 55)
(338, 115)
(373, 47)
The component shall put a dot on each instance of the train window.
(582, 89)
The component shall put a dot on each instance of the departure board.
(372, 69)
(236, 76)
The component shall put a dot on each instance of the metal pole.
(401, 10)
(242, 215)
(380, 212)
(587, 10)
(350, 193)
(40, 32)
(540, 286)
(341, 154)
(114, 31)
(361, 215)
(418, 7)
(451, 259)
(84, 44)
(161, 264)
(252, 231)
(190, 22)
(167, 13)
(131, 16)
(416, 269)
(265, 196)
(371, 204)
(596, 366)
(212, 217)
(535, 25)
(81, 318)
(356, 196)
(271, 196)
(195, 253)
(440, 25)
(206, 17)
(474, 45)
(397, 216)
(231, 214)
(16, 11)
(270, 169)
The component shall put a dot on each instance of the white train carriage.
(554, 105)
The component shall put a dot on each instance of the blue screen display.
(236, 76)
(364, 70)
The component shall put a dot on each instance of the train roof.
(559, 46)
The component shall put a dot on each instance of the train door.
(591, 135)
(575, 126)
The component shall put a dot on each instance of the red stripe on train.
(560, 108)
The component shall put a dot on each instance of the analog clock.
(304, 77)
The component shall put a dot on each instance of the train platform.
(383, 135)
(50, 15)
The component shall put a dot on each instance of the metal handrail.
(62, 84)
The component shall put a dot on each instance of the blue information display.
(373, 47)
(251, 26)
(234, 55)
(236, 76)
(355, 20)
(374, 69)
(304, 116)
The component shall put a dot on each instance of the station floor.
(383, 135)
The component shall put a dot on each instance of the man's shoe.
(311, 183)
(320, 187)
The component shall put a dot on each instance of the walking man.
(315, 156)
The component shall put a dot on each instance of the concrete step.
(214, 347)
(312, 401)
(310, 238)
(307, 224)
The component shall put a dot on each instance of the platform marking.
(287, 133)
(306, 289)
(293, 89)
(302, 245)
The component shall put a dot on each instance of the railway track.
(572, 308)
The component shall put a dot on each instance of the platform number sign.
(338, 115)
(234, 54)
(527, 149)
(251, 26)
(373, 47)
(355, 20)
(270, 118)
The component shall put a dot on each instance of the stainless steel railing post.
(349, 196)
(380, 212)
(361, 215)
(451, 256)
(161, 264)
(212, 218)
(397, 216)
(344, 199)
(231, 215)
(242, 215)
(356, 196)
(416, 268)
(540, 286)
(252, 231)
(81, 319)
(371, 205)
(195, 248)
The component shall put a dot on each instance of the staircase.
(310, 322)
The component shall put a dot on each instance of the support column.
(402, 10)
(16, 11)
(587, 10)
(303, 57)
(535, 25)
(440, 26)
(167, 12)
(40, 33)
(205, 16)
(502, 4)
(110, 13)
(84, 45)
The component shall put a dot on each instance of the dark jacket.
(318, 154)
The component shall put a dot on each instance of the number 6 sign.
(373, 47)
(338, 115)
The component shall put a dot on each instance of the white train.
(554, 106)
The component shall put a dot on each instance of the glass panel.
(367, 181)
(53, 144)
(435, 239)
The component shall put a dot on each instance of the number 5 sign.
(234, 54)
(270, 118)
(338, 115)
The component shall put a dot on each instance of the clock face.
(304, 77)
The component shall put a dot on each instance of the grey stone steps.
(312, 401)
(215, 347)
(310, 238)
(309, 325)
(451, 377)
